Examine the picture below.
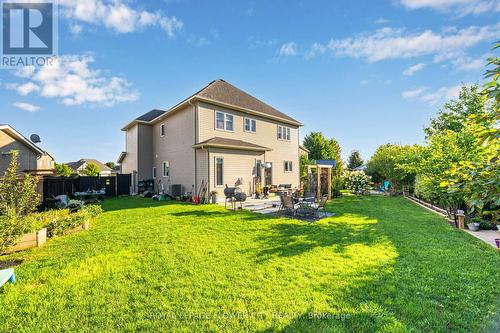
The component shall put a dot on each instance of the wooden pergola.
(319, 166)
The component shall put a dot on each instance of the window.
(288, 166)
(166, 169)
(250, 125)
(162, 130)
(224, 121)
(219, 171)
(154, 172)
(283, 133)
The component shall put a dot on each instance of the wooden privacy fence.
(114, 185)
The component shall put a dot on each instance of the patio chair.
(321, 206)
(287, 205)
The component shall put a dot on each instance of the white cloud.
(26, 106)
(413, 69)
(436, 97)
(288, 49)
(389, 43)
(381, 20)
(23, 89)
(71, 80)
(469, 64)
(460, 7)
(314, 50)
(414, 93)
(118, 15)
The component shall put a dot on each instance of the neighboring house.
(218, 136)
(303, 151)
(79, 166)
(32, 159)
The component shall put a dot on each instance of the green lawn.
(381, 264)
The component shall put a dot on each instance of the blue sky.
(364, 72)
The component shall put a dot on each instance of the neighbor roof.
(79, 163)
(218, 142)
(225, 94)
(18, 136)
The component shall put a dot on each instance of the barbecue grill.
(233, 195)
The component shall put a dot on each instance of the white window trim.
(244, 125)
(154, 172)
(290, 164)
(163, 169)
(162, 126)
(225, 115)
(284, 130)
(215, 171)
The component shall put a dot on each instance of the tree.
(454, 113)
(354, 160)
(110, 165)
(322, 148)
(18, 198)
(386, 164)
(91, 169)
(492, 88)
(63, 170)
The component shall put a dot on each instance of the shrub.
(356, 181)
(58, 221)
(18, 198)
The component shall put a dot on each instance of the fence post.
(461, 219)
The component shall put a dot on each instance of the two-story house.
(32, 159)
(218, 136)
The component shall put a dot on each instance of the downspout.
(195, 142)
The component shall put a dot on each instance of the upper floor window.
(224, 121)
(250, 125)
(287, 166)
(162, 130)
(283, 133)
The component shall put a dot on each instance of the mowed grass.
(380, 265)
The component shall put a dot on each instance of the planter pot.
(473, 226)
(33, 239)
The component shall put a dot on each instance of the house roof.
(225, 94)
(217, 142)
(153, 114)
(18, 136)
(80, 162)
(304, 148)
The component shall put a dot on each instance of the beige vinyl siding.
(238, 165)
(265, 135)
(176, 148)
(27, 157)
(202, 167)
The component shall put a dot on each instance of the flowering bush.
(356, 181)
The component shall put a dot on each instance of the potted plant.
(474, 224)
(213, 197)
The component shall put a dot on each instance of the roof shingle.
(224, 142)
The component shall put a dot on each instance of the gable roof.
(21, 138)
(77, 164)
(221, 93)
(218, 142)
